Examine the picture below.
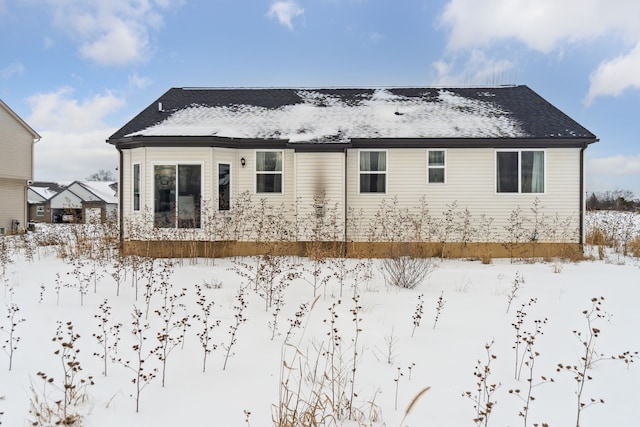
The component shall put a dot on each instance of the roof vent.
(160, 110)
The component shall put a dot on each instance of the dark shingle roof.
(327, 114)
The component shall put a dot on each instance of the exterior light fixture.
(243, 162)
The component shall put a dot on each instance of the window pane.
(372, 182)
(269, 161)
(373, 161)
(189, 182)
(436, 175)
(507, 172)
(224, 186)
(436, 158)
(269, 183)
(165, 195)
(532, 171)
(136, 187)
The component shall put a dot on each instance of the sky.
(78, 70)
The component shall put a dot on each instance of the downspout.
(346, 189)
(120, 197)
(582, 196)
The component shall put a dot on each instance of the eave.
(376, 143)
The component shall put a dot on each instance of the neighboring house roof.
(342, 115)
(55, 187)
(87, 191)
(24, 124)
(102, 189)
(42, 194)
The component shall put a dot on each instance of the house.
(452, 171)
(84, 202)
(38, 195)
(16, 169)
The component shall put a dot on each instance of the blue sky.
(77, 70)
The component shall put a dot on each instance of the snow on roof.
(44, 192)
(323, 117)
(102, 189)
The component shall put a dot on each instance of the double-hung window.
(177, 195)
(520, 171)
(372, 168)
(269, 171)
(436, 163)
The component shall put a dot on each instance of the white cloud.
(137, 82)
(375, 37)
(479, 69)
(285, 11)
(551, 25)
(613, 173)
(614, 76)
(615, 166)
(15, 68)
(73, 134)
(59, 111)
(111, 32)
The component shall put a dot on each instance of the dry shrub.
(634, 247)
(599, 237)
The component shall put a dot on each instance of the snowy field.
(367, 355)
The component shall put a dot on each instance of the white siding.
(470, 185)
(13, 203)
(319, 179)
(16, 148)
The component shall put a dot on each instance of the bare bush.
(406, 271)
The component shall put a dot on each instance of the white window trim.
(40, 210)
(256, 172)
(133, 183)
(217, 187)
(519, 151)
(176, 164)
(444, 167)
(385, 172)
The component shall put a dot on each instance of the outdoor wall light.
(243, 161)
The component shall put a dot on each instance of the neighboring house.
(38, 195)
(435, 168)
(16, 169)
(84, 202)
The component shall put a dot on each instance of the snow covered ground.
(400, 348)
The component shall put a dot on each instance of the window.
(268, 171)
(436, 166)
(520, 171)
(177, 196)
(372, 168)
(136, 186)
(39, 210)
(224, 186)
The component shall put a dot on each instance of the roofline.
(13, 114)
(257, 143)
(83, 185)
